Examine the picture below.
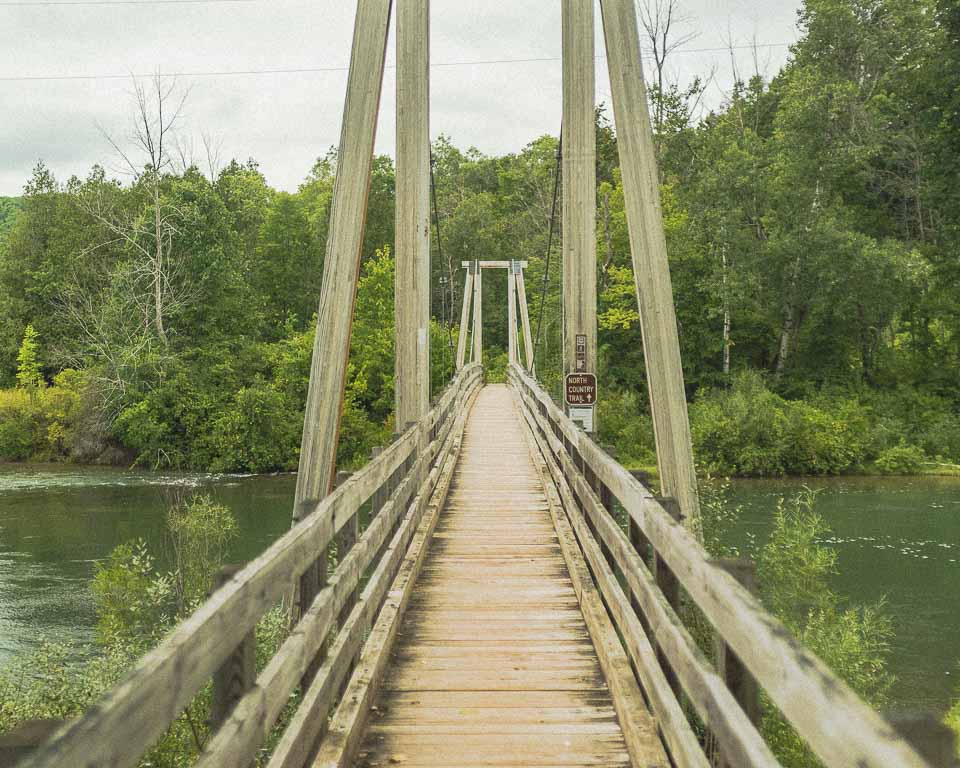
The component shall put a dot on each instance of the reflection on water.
(897, 539)
(56, 522)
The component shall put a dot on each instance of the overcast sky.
(286, 120)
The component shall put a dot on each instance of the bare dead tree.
(149, 234)
(663, 22)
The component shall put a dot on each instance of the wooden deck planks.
(493, 664)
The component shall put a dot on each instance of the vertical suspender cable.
(447, 318)
(546, 267)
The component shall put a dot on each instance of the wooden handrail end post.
(238, 673)
(926, 733)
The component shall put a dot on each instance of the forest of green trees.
(813, 225)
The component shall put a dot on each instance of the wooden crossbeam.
(493, 264)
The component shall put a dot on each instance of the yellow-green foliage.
(40, 423)
(953, 720)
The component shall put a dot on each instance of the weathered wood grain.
(495, 264)
(705, 689)
(464, 319)
(255, 714)
(513, 345)
(639, 726)
(525, 320)
(341, 264)
(579, 185)
(309, 723)
(477, 333)
(346, 729)
(838, 725)
(412, 283)
(137, 710)
(682, 742)
(648, 248)
(471, 642)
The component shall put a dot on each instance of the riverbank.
(890, 533)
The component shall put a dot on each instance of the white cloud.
(286, 120)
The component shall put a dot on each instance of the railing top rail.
(839, 726)
(133, 714)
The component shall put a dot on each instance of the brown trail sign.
(580, 389)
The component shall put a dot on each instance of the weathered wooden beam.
(525, 320)
(349, 721)
(839, 726)
(512, 340)
(238, 673)
(493, 264)
(412, 284)
(24, 738)
(651, 270)
(341, 265)
(464, 319)
(929, 735)
(579, 187)
(478, 316)
(734, 672)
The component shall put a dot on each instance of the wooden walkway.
(493, 664)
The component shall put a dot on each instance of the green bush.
(16, 425)
(740, 430)
(495, 366)
(626, 427)
(47, 423)
(137, 604)
(258, 432)
(794, 572)
(901, 460)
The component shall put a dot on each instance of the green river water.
(897, 539)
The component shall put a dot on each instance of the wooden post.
(464, 319)
(346, 538)
(670, 586)
(238, 673)
(412, 284)
(651, 271)
(477, 314)
(380, 495)
(525, 320)
(321, 424)
(25, 738)
(579, 187)
(738, 679)
(512, 340)
(926, 733)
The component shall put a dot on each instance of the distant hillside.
(8, 212)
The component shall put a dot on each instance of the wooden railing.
(640, 574)
(319, 654)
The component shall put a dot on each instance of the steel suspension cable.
(447, 318)
(546, 267)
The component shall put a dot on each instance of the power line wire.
(309, 70)
(39, 3)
